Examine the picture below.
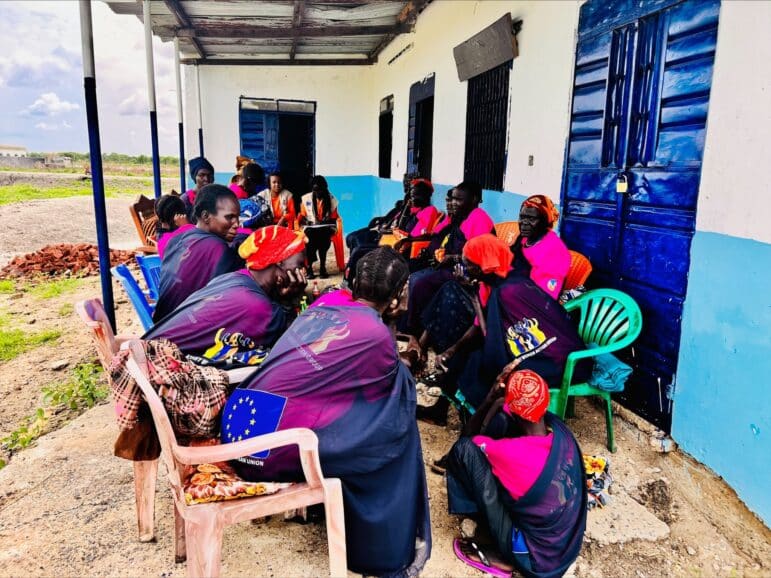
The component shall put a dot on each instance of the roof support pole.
(151, 96)
(200, 110)
(180, 122)
(95, 149)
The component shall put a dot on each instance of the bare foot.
(487, 554)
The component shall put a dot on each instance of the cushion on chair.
(217, 482)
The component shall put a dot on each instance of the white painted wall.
(344, 142)
(541, 81)
(735, 179)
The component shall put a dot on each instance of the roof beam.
(184, 22)
(405, 23)
(297, 17)
(251, 31)
(278, 61)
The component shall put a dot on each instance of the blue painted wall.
(722, 408)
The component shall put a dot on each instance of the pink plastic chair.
(107, 344)
(199, 527)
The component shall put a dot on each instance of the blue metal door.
(641, 91)
(259, 137)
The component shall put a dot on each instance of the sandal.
(483, 565)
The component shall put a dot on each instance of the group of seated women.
(487, 310)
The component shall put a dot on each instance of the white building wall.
(344, 141)
(541, 80)
(735, 179)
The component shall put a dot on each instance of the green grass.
(25, 192)
(66, 309)
(14, 342)
(50, 289)
(82, 390)
(7, 286)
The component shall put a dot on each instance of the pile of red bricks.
(78, 259)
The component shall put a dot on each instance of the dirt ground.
(66, 504)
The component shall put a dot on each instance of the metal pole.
(200, 111)
(151, 96)
(95, 149)
(180, 122)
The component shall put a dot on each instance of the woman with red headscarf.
(517, 324)
(524, 481)
(539, 253)
(245, 308)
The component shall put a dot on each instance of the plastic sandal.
(481, 566)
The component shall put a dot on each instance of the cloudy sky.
(41, 80)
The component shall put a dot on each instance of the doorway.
(631, 182)
(385, 136)
(295, 152)
(421, 128)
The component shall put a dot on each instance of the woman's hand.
(180, 219)
(294, 283)
(445, 358)
(500, 381)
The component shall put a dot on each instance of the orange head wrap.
(270, 245)
(241, 161)
(544, 206)
(527, 395)
(490, 253)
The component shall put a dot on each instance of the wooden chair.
(580, 269)
(507, 231)
(107, 344)
(199, 528)
(338, 242)
(143, 214)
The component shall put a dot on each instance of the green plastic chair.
(611, 320)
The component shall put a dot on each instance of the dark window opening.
(385, 137)
(421, 128)
(486, 123)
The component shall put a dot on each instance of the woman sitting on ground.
(523, 481)
(318, 217)
(464, 221)
(198, 255)
(337, 371)
(280, 201)
(202, 173)
(247, 309)
(521, 327)
(538, 252)
(172, 220)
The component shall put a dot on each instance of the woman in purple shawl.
(337, 371)
(249, 303)
(197, 256)
(523, 480)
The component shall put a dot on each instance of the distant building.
(12, 151)
(58, 161)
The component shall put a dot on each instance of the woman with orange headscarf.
(538, 251)
(244, 307)
(516, 324)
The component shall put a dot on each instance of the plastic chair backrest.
(507, 231)
(143, 309)
(94, 316)
(150, 266)
(609, 319)
(580, 269)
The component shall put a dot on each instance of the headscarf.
(270, 245)
(544, 206)
(424, 182)
(527, 395)
(490, 253)
(197, 164)
(241, 161)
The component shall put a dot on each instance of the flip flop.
(492, 570)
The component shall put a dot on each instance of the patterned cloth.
(206, 483)
(270, 245)
(527, 395)
(193, 396)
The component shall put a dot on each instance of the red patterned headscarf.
(544, 206)
(490, 253)
(527, 395)
(270, 245)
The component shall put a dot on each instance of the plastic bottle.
(316, 292)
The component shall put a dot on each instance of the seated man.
(524, 482)
(250, 302)
(337, 371)
(198, 255)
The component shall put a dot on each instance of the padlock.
(622, 184)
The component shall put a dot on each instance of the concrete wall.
(722, 409)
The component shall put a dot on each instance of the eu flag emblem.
(250, 413)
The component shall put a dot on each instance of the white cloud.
(53, 126)
(49, 104)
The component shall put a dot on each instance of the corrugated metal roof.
(278, 31)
